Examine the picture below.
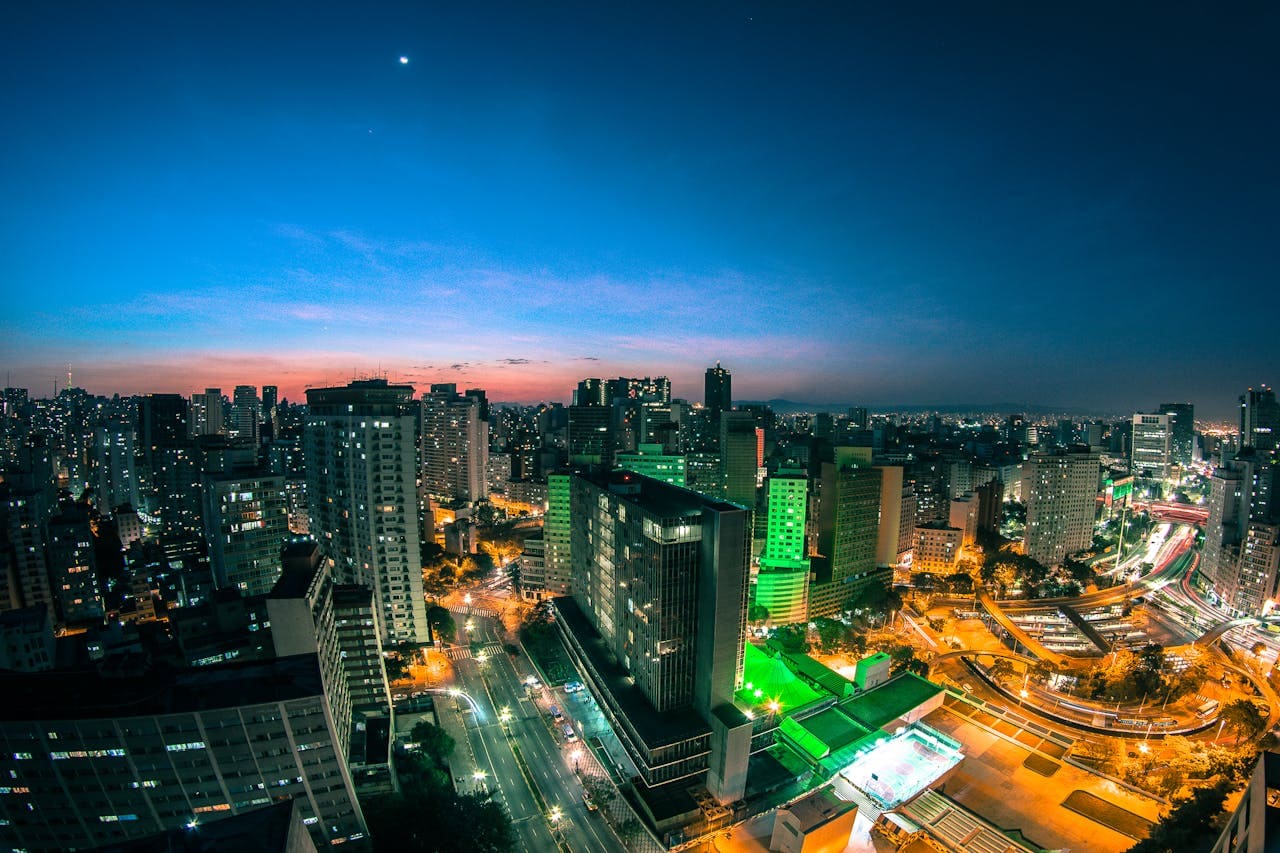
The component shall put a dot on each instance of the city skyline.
(841, 204)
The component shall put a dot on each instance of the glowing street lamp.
(555, 814)
(466, 599)
(479, 776)
(773, 706)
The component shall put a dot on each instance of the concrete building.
(533, 570)
(816, 823)
(26, 640)
(1240, 553)
(310, 614)
(739, 458)
(964, 515)
(896, 535)
(455, 444)
(1060, 489)
(362, 497)
(782, 584)
(848, 531)
(1152, 449)
(246, 522)
(591, 435)
(657, 622)
(92, 761)
(717, 393)
(937, 548)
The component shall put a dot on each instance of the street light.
(555, 814)
(479, 776)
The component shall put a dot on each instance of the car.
(589, 801)
(573, 687)
(569, 735)
(555, 713)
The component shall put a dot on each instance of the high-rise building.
(1060, 489)
(657, 621)
(246, 522)
(1152, 452)
(739, 452)
(1182, 428)
(246, 415)
(206, 413)
(718, 392)
(557, 534)
(591, 435)
(848, 531)
(310, 614)
(117, 470)
(1239, 558)
(362, 496)
(455, 444)
(73, 567)
(894, 539)
(96, 761)
(1259, 419)
(782, 584)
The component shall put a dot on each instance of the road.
(543, 778)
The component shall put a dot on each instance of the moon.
(404, 60)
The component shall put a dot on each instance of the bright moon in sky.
(404, 60)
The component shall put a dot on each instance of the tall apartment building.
(206, 413)
(310, 614)
(1240, 553)
(362, 496)
(92, 761)
(117, 472)
(1182, 428)
(657, 622)
(848, 531)
(1152, 448)
(782, 584)
(455, 444)
(246, 522)
(1060, 489)
(73, 567)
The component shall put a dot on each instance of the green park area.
(768, 680)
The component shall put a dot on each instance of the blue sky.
(843, 202)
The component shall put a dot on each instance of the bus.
(1208, 709)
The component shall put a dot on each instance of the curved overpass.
(1217, 632)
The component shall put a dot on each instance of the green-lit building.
(782, 584)
(651, 461)
(558, 565)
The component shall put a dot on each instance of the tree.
(438, 820)
(1190, 825)
(434, 741)
(757, 613)
(791, 638)
(442, 624)
(1244, 718)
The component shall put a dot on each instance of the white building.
(1061, 490)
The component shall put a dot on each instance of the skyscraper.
(1259, 419)
(718, 391)
(557, 534)
(1060, 489)
(117, 471)
(246, 521)
(455, 444)
(1152, 446)
(660, 594)
(591, 435)
(246, 414)
(362, 496)
(1242, 532)
(739, 451)
(782, 585)
(1182, 427)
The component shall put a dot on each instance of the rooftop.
(818, 808)
(88, 695)
(661, 499)
(882, 705)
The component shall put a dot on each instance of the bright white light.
(404, 60)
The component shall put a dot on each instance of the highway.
(542, 779)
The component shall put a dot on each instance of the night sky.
(875, 203)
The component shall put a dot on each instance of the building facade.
(1060, 489)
